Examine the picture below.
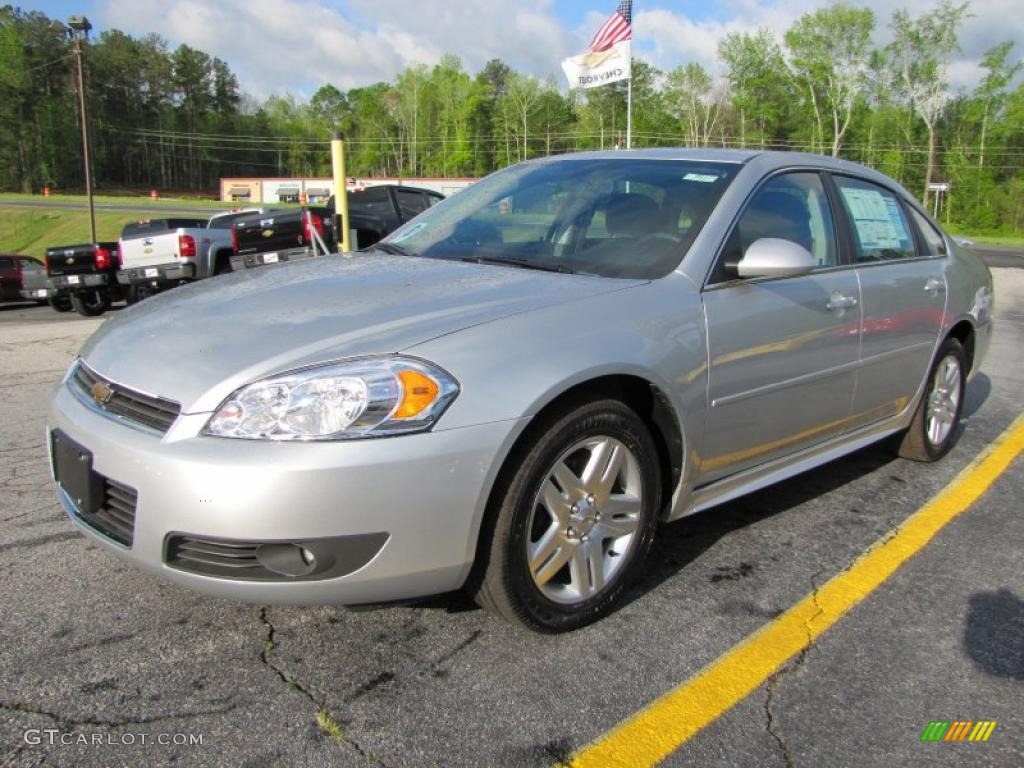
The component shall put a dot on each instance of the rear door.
(782, 352)
(10, 279)
(903, 290)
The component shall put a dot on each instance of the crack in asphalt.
(39, 541)
(324, 720)
(71, 722)
(791, 666)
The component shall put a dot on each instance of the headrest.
(631, 215)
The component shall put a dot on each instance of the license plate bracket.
(72, 466)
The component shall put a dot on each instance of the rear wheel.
(60, 303)
(574, 520)
(90, 303)
(934, 429)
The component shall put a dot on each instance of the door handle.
(934, 286)
(840, 301)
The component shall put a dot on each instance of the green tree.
(922, 49)
(831, 50)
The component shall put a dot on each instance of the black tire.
(918, 442)
(222, 265)
(60, 303)
(90, 303)
(137, 293)
(502, 581)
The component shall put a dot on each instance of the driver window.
(789, 207)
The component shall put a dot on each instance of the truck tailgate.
(71, 260)
(263, 233)
(149, 250)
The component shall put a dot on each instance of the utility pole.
(78, 29)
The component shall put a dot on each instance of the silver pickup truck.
(162, 253)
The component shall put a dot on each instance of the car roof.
(765, 160)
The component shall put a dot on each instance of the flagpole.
(629, 111)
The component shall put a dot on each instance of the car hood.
(198, 343)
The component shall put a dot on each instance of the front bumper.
(426, 492)
(251, 260)
(156, 275)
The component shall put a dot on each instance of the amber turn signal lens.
(418, 392)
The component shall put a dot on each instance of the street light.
(78, 30)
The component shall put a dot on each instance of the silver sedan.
(511, 392)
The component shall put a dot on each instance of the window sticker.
(878, 219)
(705, 178)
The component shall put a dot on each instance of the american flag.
(616, 29)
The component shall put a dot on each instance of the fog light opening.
(286, 559)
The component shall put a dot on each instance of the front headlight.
(369, 397)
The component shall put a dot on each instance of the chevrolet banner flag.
(608, 58)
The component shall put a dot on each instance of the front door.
(783, 352)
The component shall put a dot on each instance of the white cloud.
(274, 45)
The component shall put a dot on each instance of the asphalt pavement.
(101, 657)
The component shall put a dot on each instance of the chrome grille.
(153, 412)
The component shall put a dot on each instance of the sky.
(276, 46)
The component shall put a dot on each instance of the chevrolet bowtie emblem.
(268, 233)
(69, 260)
(101, 392)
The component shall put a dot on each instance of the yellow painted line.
(658, 730)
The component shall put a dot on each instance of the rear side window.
(371, 200)
(792, 207)
(880, 228)
(31, 265)
(6, 263)
(934, 243)
(411, 203)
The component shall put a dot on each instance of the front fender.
(510, 369)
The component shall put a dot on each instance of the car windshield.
(629, 217)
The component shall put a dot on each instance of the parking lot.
(107, 657)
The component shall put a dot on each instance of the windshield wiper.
(394, 250)
(521, 263)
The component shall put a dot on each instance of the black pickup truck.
(287, 234)
(84, 275)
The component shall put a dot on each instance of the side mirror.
(774, 257)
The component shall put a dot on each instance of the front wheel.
(573, 521)
(90, 303)
(137, 293)
(60, 303)
(934, 429)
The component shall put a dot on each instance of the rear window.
(226, 221)
(156, 226)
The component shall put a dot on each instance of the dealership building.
(310, 190)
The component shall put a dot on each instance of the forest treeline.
(176, 119)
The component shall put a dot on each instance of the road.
(93, 649)
(130, 207)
